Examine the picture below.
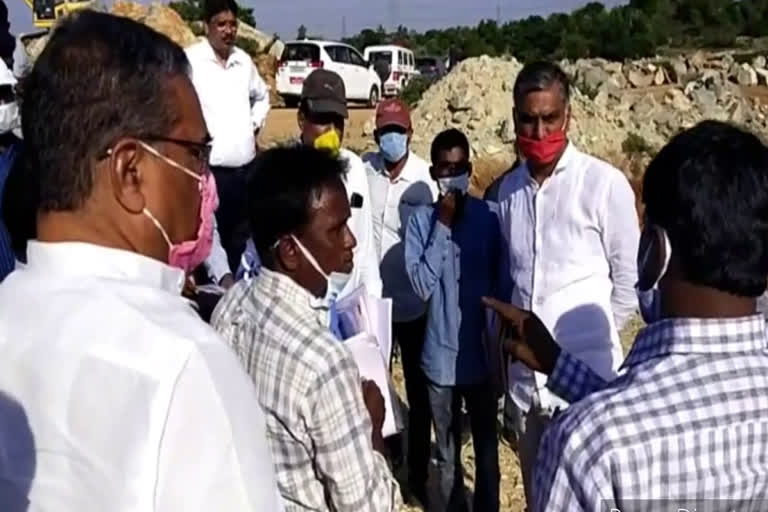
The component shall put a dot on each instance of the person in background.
(135, 404)
(10, 149)
(686, 420)
(400, 183)
(235, 103)
(12, 51)
(571, 233)
(324, 430)
(321, 119)
(452, 253)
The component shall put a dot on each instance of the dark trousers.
(445, 404)
(232, 214)
(410, 338)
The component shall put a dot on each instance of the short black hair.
(446, 141)
(286, 181)
(99, 78)
(3, 13)
(213, 7)
(708, 188)
(539, 76)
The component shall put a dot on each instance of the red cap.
(393, 112)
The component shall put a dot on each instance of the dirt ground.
(281, 125)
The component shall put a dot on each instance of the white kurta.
(117, 397)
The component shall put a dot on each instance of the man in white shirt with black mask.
(235, 102)
(126, 400)
(572, 233)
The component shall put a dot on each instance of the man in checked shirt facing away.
(324, 430)
(687, 417)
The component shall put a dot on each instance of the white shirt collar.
(232, 60)
(90, 260)
(566, 159)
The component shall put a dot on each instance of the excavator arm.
(46, 12)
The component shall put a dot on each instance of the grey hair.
(540, 76)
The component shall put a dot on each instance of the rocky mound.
(617, 108)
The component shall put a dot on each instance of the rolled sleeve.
(259, 95)
(572, 380)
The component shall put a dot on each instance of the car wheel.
(373, 97)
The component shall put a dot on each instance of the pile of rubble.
(614, 105)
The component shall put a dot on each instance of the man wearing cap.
(400, 183)
(321, 118)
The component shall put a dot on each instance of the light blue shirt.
(453, 269)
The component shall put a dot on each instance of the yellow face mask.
(329, 141)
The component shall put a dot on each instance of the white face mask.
(336, 280)
(10, 121)
(458, 183)
(650, 300)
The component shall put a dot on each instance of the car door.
(364, 75)
(340, 57)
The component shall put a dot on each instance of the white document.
(367, 355)
(360, 312)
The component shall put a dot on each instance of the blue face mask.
(393, 146)
(650, 300)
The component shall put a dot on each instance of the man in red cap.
(399, 184)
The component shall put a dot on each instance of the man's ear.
(287, 254)
(126, 180)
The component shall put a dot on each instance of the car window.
(410, 59)
(356, 59)
(338, 54)
(301, 51)
(400, 58)
(385, 56)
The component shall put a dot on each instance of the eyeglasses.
(201, 150)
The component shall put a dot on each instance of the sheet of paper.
(380, 318)
(213, 289)
(371, 365)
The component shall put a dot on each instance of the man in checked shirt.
(687, 418)
(323, 423)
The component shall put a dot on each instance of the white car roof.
(317, 42)
(381, 47)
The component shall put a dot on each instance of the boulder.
(762, 76)
(659, 78)
(640, 78)
(678, 100)
(746, 75)
(677, 69)
(160, 17)
(759, 62)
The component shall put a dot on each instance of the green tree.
(192, 10)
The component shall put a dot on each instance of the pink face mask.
(189, 254)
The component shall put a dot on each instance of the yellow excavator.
(46, 12)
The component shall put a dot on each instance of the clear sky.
(329, 17)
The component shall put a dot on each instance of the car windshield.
(301, 51)
(385, 56)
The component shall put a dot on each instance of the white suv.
(300, 58)
(395, 66)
